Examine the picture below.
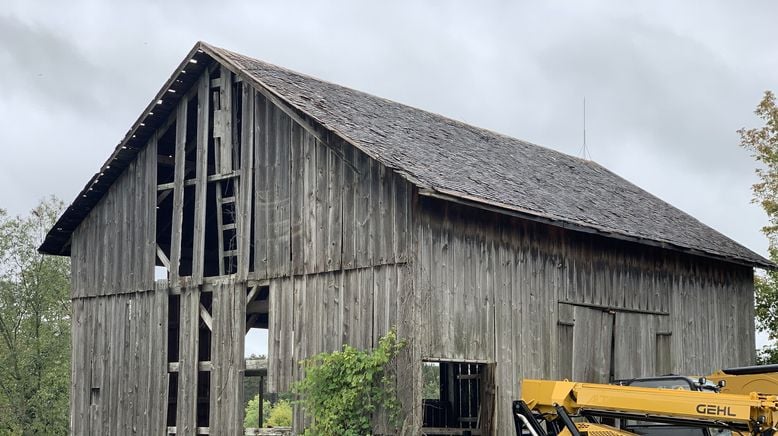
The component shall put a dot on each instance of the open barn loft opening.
(203, 142)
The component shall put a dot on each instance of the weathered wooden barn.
(326, 215)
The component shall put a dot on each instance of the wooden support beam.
(192, 182)
(223, 123)
(163, 258)
(198, 247)
(178, 190)
(252, 293)
(244, 193)
(204, 366)
(206, 317)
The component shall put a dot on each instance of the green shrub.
(342, 390)
(273, 415)
(280, 415)
(250, 419)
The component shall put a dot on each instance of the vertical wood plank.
(198, 247)
(297, 198)
(225, 150)
(320, 205)
(334, 224)
(362, 209)
(189, 320)
(229, 326)
(309, 203)
(150, 205)
(262, 192)
(280, 256)
(245, 192)
(178, 190)
(348, 207)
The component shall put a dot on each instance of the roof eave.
(57, 241)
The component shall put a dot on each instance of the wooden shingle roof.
(459, 161)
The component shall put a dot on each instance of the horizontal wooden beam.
(254, 364)
(192, 182)
(201, 366)
(614, 308)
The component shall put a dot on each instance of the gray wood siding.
(712, 318)
(228, 364)
(321, 205)
(314, 313)
(119, 369)
(113, 250)
(544, 302)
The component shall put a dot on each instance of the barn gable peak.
(444, 158)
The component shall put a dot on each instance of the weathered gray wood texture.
(188, 345)
(322, 312)
(119, 369)
(228, 364)
(541, 301)
(321, 205)
(114, 248)
(314, 313)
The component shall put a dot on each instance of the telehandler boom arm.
(556, 401)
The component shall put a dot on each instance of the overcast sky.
(667, 83)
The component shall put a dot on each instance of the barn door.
(640, 345)
(585, 343)
(602, 345)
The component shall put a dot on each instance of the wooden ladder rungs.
(230, 226)
(226, 200)
(230, 253)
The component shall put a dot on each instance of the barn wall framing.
(231, 192)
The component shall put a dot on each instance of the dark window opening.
(166, 152)
(190, 141)
(187, 233)
(203, 409)
(172, 398)
(174, 303)
(453, 395)
(204, 338)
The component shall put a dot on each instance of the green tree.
(763, 144)
(342, 390)
(34, 327)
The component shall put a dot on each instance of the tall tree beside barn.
(34, 326)
(763, 143)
